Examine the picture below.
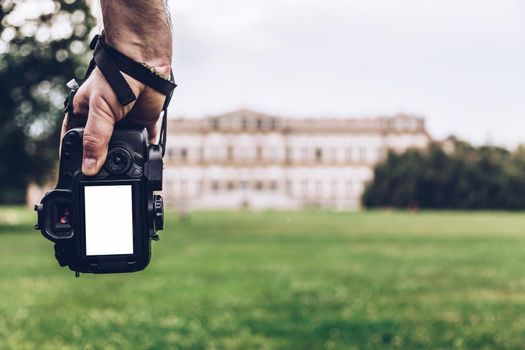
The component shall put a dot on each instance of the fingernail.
(89, 165)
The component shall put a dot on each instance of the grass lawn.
(272, 280)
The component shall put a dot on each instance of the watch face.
(108, 219)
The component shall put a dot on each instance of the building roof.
(245, 120)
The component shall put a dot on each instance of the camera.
(105, 223)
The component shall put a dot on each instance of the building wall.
(248, 159)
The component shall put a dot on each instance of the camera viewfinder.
(62, 216)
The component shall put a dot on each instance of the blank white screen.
(109, 220)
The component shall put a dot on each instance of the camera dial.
(118, 161)
(158, 204)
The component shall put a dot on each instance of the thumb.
(97, 133)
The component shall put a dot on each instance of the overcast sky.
(458, 63)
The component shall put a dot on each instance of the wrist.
(143, 50)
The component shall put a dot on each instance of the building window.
(288, 154)
(259, 153)
(169, 187)
(380, 154)
(348, 188)
(245, 185)
(244, 123)
(183, 154)
(216, 124)
(304, 188)
(272, 153)
(169, 153)
(215, 186)
(258, 185)
(304, 154)
(319, 189)
(348, 154)
(230, 185)
(215, 153)
(259, 124)
(230, 153)
(273, 124)
(273, 186)
(333, 154)
(318, 155)
(183, 188)
(334, 188)
(242, 153)
(362, 154)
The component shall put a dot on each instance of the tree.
(486, 177)
(43, 44)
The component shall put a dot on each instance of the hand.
(96, 100)
(148, 41)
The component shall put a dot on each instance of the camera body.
(105, 223)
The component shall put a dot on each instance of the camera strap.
(112, 62)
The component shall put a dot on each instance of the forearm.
(140, 29)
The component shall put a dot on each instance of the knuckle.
(105, 107)
(92, 144)
(100, 108)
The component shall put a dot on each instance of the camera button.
(71, 136)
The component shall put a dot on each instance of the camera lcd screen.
(108, 220)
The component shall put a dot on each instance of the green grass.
(310, 280)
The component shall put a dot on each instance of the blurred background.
(339, 175)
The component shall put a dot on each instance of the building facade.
(246, 159)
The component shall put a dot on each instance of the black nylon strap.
(113, 76)
(111, 62)
(131, 67)
(140, 72)
(164, 125)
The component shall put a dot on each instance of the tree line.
(450, 175)
(39, 53)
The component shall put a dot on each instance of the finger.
(97, 133)
(80, 108)
(153, 132)
(81, 100)
(63, 131)
(64, 128)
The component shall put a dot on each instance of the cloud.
(458, 62)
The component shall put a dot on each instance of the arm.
(141, 30)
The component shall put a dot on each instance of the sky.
(458, 63)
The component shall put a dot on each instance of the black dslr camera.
(105, 223)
